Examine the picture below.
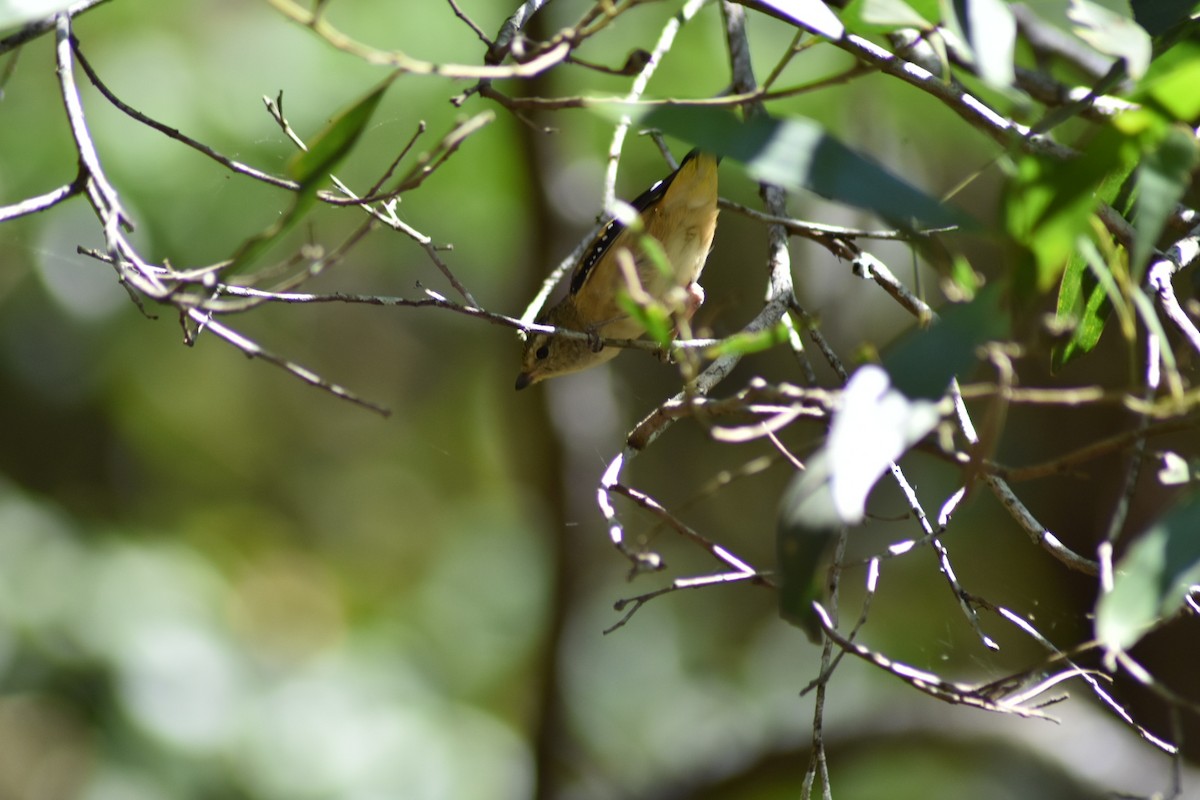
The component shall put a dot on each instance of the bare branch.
(927, 682)
(34, 205)
(554, 54)
(974, 111)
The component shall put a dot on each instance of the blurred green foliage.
(216, 582)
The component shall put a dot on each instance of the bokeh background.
(217, 582)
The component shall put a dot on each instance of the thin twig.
(871, 268)
(1000, 488)
(927, 682)
(819, 231)
(34, 205)
(458, 12)
(253, 350)
(718, 552)
(665, 40)
(1069, 461)
(973, 110)
(130, 266)
(174, 133)
(554, 54)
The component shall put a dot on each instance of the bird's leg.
(693, 300)
(593, 334)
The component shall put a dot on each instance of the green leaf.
(1087, 291)
(800, 550)
(1170, 83)
(991, 33)
(652, 316)
(1049, 204)
(1153, 578)
(747, 343)
(890, 15)
(1162, 178)
(963, 277)
(19, 12)
(922, 363)
(1084, 300)
(873, 426)
(1113, 34)
(337, 139)
(309, 168)
(797, 153)
(812, 15)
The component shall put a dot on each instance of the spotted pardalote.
(680, 212)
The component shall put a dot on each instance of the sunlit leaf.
(1153, 578)
(747, 343)
(651, 316)
(1050, 202)
(1087, 289)
(1112, 34)
(963, 277)
(991, 34)
(1170, 83)
(19, 12)
(893, 14)
(1176, 470)
(874, 425)
(812, 15)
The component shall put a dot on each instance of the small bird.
(680, 211)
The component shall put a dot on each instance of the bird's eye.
(542, 352)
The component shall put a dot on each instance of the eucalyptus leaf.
(893, 14)
(812, 15)
(1113, 34)
(747, 343)
(337, 139)
(19, 12)
(991, 34)
(1083, 303)
(1170, 83)
(873, 426)
(1152, 579)
(797, 153)
(310, 168)
(1162, 178)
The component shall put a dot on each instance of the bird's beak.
(524, 379)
